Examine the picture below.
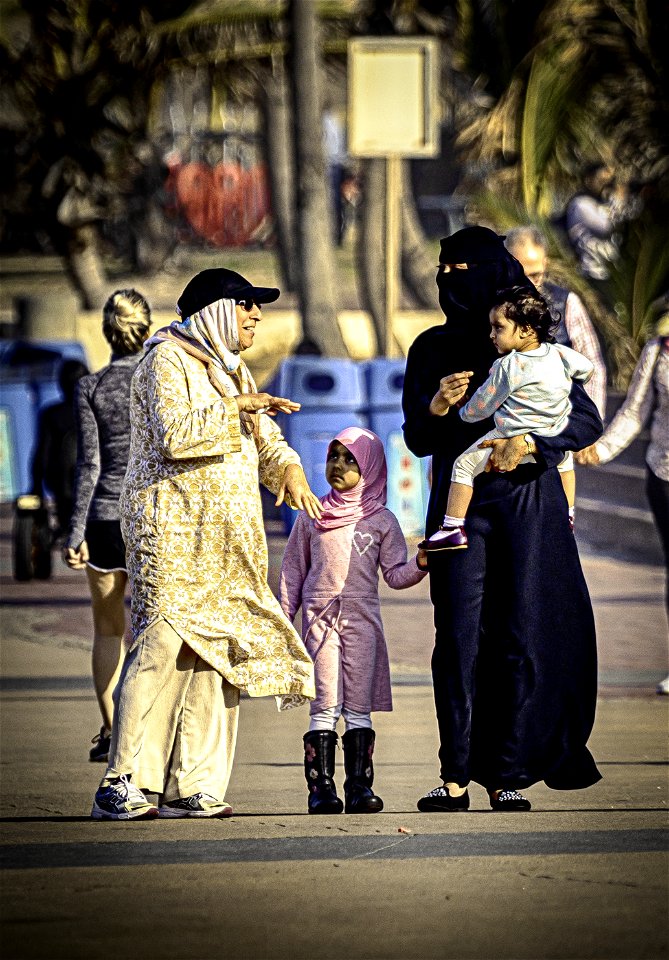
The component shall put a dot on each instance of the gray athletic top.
(102, 403)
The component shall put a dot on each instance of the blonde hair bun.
(126, 320)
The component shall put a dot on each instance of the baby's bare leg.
(459, 497)
(568, 485)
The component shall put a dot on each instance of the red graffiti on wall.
(224, 204)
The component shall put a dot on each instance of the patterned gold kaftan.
(192, 522)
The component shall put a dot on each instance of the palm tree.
(77, 78)
(590, 83)
(316, 286)
(281, 47)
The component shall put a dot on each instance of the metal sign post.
(392, 113)
(393, 246)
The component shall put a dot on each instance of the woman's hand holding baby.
(506, 453)
(265, 403)
(451, 390)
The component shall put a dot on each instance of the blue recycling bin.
(332, 393)
(408, 489)
(18, 434)
(28, 383)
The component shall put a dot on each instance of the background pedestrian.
(94, 541)
(574, 328)
(647, 401)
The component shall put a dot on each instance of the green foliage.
(77, 78)
(590, 83)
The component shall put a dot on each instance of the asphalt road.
(581, 876)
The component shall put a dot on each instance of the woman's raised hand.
(265, 403)
(301, 495)
(588, 457)
(451, 390)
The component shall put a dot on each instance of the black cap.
(220, 284)
(472, 245)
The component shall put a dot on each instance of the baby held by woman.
(527, 392)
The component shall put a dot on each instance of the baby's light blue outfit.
(527, 393)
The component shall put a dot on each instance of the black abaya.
(514, 665)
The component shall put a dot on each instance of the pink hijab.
(368, 496)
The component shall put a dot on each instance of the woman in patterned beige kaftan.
(205, 623)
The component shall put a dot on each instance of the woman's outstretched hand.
(295, 484)
(505, 454)
(588, 457)
(265, 403)
(76, 559)
(451, 390)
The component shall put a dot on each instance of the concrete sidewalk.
(581, 876)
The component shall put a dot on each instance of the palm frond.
(549, 95)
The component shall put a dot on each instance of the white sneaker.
(118, 799)
(663, 686)
(199, 805)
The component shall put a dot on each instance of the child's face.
(341, 470)
(504, 333)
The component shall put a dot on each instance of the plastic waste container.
(332, 394)
(407, 474)
(18, 427)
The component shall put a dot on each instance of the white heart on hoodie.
(362, 542)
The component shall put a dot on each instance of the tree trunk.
(82, 259)
(371, 247)
(417, 268)
(281, 167)
(316, 269)
(371, 244)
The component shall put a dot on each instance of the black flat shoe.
(509, 800)
(99, 753)
(439, 800)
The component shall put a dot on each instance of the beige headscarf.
(212, 337)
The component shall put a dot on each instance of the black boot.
(319, 764)
(358, 750)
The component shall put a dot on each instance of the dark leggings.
(657, 491)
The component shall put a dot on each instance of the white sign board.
(392, 97)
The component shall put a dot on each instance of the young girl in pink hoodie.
(330, 569)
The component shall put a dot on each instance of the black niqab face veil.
(466, 296)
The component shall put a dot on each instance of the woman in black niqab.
(514, 663)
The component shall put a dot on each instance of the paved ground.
(582, 876)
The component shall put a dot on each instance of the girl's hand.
(76, 559)
(295, 484)
(451, 389)
(421, 560)
(265, 403)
